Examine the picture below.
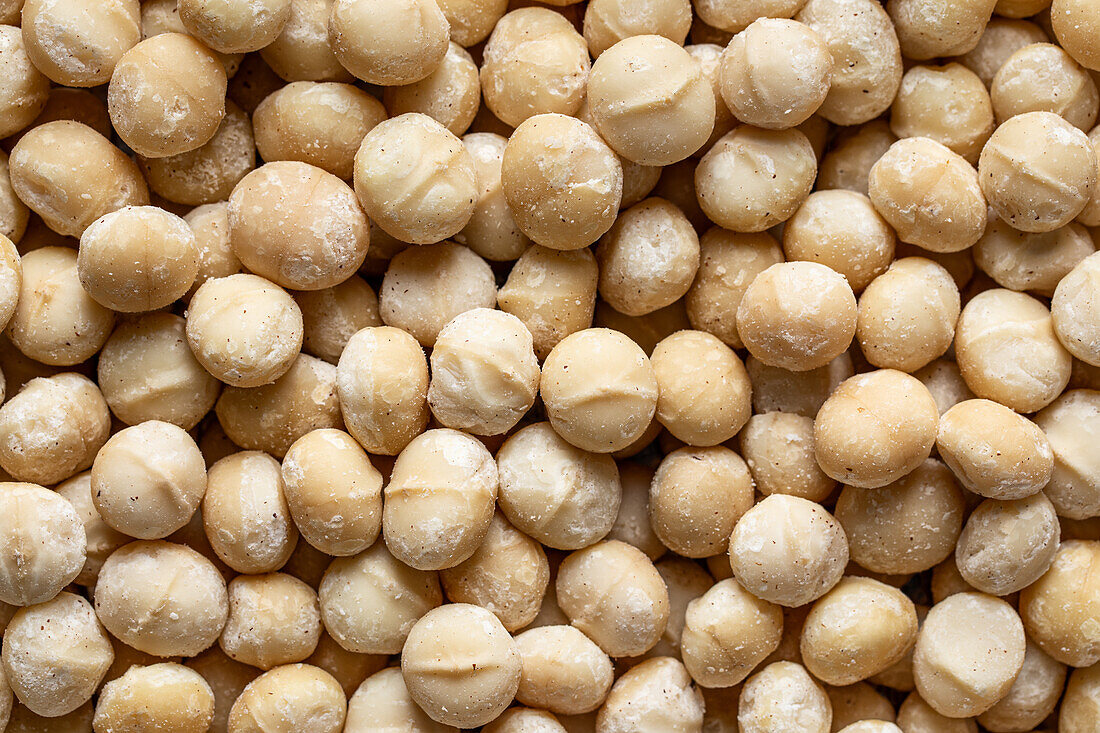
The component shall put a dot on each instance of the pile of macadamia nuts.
(550, 366)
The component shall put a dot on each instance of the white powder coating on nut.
(655, 695)
(291, 697)
(564, 671)
(166, 695)
(44, 541)
(783, 696)
(273, 619)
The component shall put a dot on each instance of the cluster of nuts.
(620, 366)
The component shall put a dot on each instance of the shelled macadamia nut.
(1081, 704)
(1075, 310)
(632, 522)
(802, 393)
(804, 567)
(170, 69)
(848, 163)
(56, 321)
(857, 703)
(562, 181)
(563, 671)
(161, 598)
(41, 641)
(382, 384)
(25, 89)
(1061, 609)
(388, 42)
(779, 450)
(507, 575)
(77, 45)
(425, 287)
(931, 28)
(1001, 38)
(492, 231)
(439, 501)
(929, 194)
(783, 696)
(71, 175)
(102, 539)
(738, 193)
(273, 619)
(291, 697)
(349, 668)
(168, 696)
(606, 22)
(210, 223)
(1007, 350)
(919, 717)
(331, 316)
(907, 526)
(52, 428)
(1071, 423)
(235, 26)
(948, 104)
(686, 580)
(658, 693)
(461, 665)
(383, 702)
(1034, 261)
(14, 214)
(1038, 171)
(472, 20)
(1032, 697)
(43, 531)
(244, 330)
(450, 94)
(606, 401)
(535, 62)
(1066, 88)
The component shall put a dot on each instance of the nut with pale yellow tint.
(161, 598)
(1061, 611)
(1070, 422)
(561, 180)
(779, 450)
(43, 530)
(1007, 545)
(450, 95)
(783, 696)
(472, 20)
(167, 696)
(1032, 697)
(1031, 261)
(931, 28)
(273, 619)
(563, 671)
(78, 44)
(461, 665)
(170, 71)
(291, 697)
(302, 51)
(382, 702)
(1001, 38)
(235, 26)
(1081, 704)
(875, 428)
(948, 104)
(1075, 310)
(388, 42)
(333, 315)
(25, 88)
(606, 22)
(492, 231)
(1042, 77)
(102, 540)
(1075, 24)
(599, 389)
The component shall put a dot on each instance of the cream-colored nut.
(461, 665)
(696, 498)
(244, 330)
(25, 89)
(994, 452)
(1001, 38)
(871, 726)
(472, 20)
(1042, 77)
(492, 231)
(931, 28)
(656, 694)
(738, 193)
(801, 393)
(728, 264)
(139, 258)
(562, 496)
(526, 720)
(1032, 697)
(161, 598)
(782, 696)
(382, 702)
(1081, 704)
(67, 103)
(170, 71)
(425, 287)
(797, 316)
(390, 189)
(1071, 424)
(929, 194)
(273, 619)
(1075, 24)
(270, 418)
(439, 500)
(535, 62)
(776, 73)
(485, 374)
(210, 223)
(382, 383)
(1035, 261)
(322, 124)
(333, 491)
(333, 315)
(1075, 308)
(859, 702)
(917, 716)
(162, 16)
(648, 259)
(686, 580)
(53, 428)
(948, 104)
(779, 450)
(907, 315)
(1038, 171)
(848, 163)
(875, 428)
(245, 513)
(648, 330)
(802, 568)
(727, 633)
(612, 592)
(235, 26)
(349, 668)
(450, 94)
(1007, 351)
(944, 380)
(388, 42)
(866, 57)
(102, 539)
(841, 230)
(55, 321)
(301, 51)
(606, 22)
(561, 180)
(14, 214)
(78, 45)
(369, 602)
(563, 671)
(298, 226)
(650, 100)
(908, 526)
(147, 372)
(727, 17)
(599, 389)
(70, 175)
(43, 534)
(167, 696)
(55, 655)
(507, 575)
(148, 480)
(1061, 610)
(632, 523)
(294, 697)
(857, 629)
(969, 651)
